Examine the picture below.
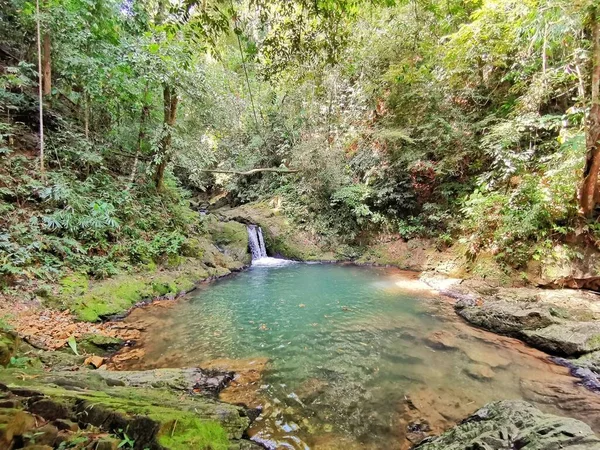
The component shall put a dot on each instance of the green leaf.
(73, 344)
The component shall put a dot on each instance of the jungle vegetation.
(473, 121)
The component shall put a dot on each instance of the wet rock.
(206, 381)
(570, 339)
(10, 403)
(479, 372)
(481, 355)
(586, 367)
(441, 340)
(417, 431)
(570, 398)
(511, 425)
(245, 386)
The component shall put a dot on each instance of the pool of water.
(358, 357)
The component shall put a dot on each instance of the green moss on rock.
(189, 432)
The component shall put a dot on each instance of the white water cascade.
(256, 243)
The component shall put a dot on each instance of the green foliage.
(73, 345)
(423, 119)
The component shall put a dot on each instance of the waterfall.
(256, 242)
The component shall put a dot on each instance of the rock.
(441, 340)
(14, 423)
(586, 367)
(10, 403)
(49, 409)
(480, 372)
(107, 443)
(508, 318)
(207, 381)
(66, 425)
(231, 236)
(511, 425)
(8, 347)
(99, 344)
(24, 392)
(95, 361)
(245, 385)
(43, 436)
(570, 339)
(481, 355)
(575, 401)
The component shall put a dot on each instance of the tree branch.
(253, 171)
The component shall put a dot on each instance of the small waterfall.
(256, 242)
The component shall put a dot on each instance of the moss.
(593, 343)
(99, 344)
(194, 248)
(74, 284)
(111, 297)
(193, 433)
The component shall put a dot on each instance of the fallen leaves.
(95, 361)
(50, 329)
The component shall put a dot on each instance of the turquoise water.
(354, 359)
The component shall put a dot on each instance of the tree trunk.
(170, 101)
(86, 114)
(141, 136)
(40, 90)
(47, 65)
(588, 193)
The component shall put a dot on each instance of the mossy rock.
(514, 424)
(9, 343)
(115, 296)
(98, 344)
(231, 237)
(156, 418)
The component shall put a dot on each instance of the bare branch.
(253, 171)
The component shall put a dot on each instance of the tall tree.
(589, 194)
(40, 89)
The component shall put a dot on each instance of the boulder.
(570, 338)
(99, 344)
(511, 425)
(508, 317)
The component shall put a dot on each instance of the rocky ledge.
(168, 408)
(514, 425)
(564, 323)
